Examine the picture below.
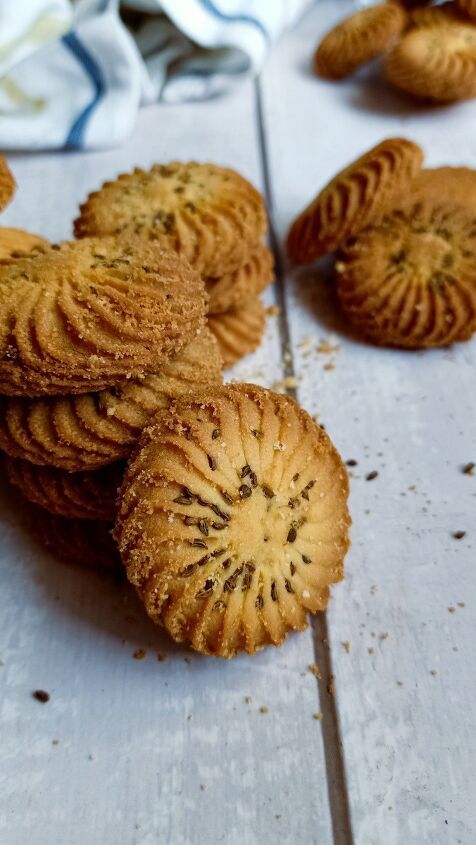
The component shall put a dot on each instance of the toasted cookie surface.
(238, 331)
(95, 429)
(7, 183)
(410, 280)
(86, 314)
(234, 289)
(436, 62)
(15, 242)
(355, 197)
(233, 519)
(76, 495)
(453, 184)
(358, 39)
(78, 542)
(211, 215)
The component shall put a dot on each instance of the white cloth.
(73, 73)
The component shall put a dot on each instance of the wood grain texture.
(405, 691)
(148, 751)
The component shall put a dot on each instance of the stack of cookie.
(430, 50)
(406, 246)
(210, 215)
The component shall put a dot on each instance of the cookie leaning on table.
(353, 198)
(7, 183)
(75, 495)
(95, 429)
(409, 280)
(210, 215)
(358, 39)
(238, 331)
(83, 315)
(454, 184)
(232, 519)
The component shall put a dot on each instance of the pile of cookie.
(404, 240)
(225, 506)
(430, 50)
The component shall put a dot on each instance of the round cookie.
(436, 62)
(85, 432)
(15, 242)
(7, 183)
(410, 280)
(77, 542)
(453, 184)
(358, 39)
(232, 519)
(233, 289)
(83, 315)
(353, 199)
(238, 331)
(210, 215)
(75, 495)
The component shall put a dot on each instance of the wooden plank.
(147, 751)
(405, 694)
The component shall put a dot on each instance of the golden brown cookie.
(7, 183)
(358, 39)
(234, 289)
(78, 542)
(410, 279)
(239, 331)
(452, 184)
(95, 429)
(15, 242)
(353, 199)
(75, 495)
(211, 215)
(232, 519)
(436, 62)
(431, 15)
(467, 6)
(87, 314)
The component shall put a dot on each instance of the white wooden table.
(177, 751)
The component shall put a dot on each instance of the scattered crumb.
(371, 475)
(90, 757)
(314, 670)
(330, 686)
(202, 787)
(248, 699)
(346, 645)
(451, 610)
(433, 672)
(161, 657)
(41, 695)
(317, 716)
(329, 366)
(458, 535)
(273, 311)
(187, 660)
(351, 462)
(55, 741)
(285, 383)
(383, 636)
(139, 654)
(327, 346)
(370, 650)
(373, 589)
(468, 469)
(399, 683)
(264, 710)
(461, 604)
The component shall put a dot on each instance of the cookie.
(7, 183)
(436, 63)
(358, 39)
(75, 495)
(431, 15)
(467, 6)
(15, 242)
(87, 314)
(232, 519)
(353, 199)
(211, 215)
(239, 331)
(78, 542)
(85, 432)
(410, 279)
(454, 184)
(234, 289)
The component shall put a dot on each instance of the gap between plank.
(333, 751)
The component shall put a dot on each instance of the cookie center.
(428, 254)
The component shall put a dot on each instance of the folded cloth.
(73, 74)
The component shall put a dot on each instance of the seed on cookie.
(210, 215)
(354, 198)
(231, 290)
(409, 280)
(87, 314)
(14, 243)
(7, 183)
(238, 331)
(358, 39)
(250, 583)
(76, 495)
(85, 432)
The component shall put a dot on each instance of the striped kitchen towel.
(73, 73)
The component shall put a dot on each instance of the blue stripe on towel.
(210, 7)
(95, 74)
